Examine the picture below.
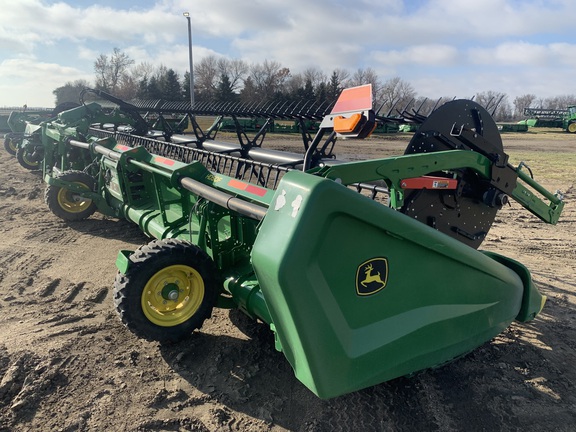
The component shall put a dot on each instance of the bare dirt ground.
(68, 364)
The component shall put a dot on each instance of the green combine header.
(321, 250)
(560, 118)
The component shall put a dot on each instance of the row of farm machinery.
(318, 248)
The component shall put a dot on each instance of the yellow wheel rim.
(12, 146)
(572, 127)
(28, 161)
(71, 201)
(173, 295)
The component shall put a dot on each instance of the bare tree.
(395, 94)
(142, 71)
(135, 83)
(315, 76)
(128, 88)
(269, 78)
(294, 83)
(366, 76)
(236, 70)
(559, 102)
(422, 105)
(206, 74)
(504, 112)
(110, 71)
(521, 102)
(496, 104)
(70, 92)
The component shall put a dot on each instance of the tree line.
(233, 80)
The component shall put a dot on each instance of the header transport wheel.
(26, 159)
(10, 144)
(68, 205)
(167, 292)
(467, 212)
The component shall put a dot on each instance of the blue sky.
(441, 47)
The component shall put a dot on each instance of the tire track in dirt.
(51, 232)
(27, 380)
(6, 260)
(58, 303)
(19, 270)
(49, 288)
(61, 315)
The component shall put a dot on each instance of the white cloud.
(31, 82)
(177, 57)
(86, 53)
(421, 41)
(490, 19)
(510, 53)
(429, 55)
(40, 23)
(564, 53)
(525, 54)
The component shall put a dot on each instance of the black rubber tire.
(9, 144)
(64, 203)
(151, 266)
(25, 160)
(571, 128)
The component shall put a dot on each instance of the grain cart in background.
(291, 242)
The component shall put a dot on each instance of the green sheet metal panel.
(360, 294)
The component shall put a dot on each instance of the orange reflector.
(347, 125)
(354, 99)
(429, 182)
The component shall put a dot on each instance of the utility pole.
(187, 15)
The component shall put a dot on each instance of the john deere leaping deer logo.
(371, 276)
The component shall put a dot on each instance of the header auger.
(287, 239)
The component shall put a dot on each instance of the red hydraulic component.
(429, 182)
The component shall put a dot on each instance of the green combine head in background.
(17, 121)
